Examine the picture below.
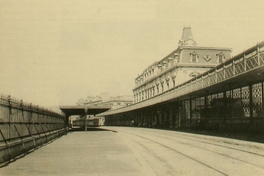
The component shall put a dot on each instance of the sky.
(55, 52)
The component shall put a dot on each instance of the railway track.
(220, 156)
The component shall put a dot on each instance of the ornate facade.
(182, 64)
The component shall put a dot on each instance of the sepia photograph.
(131, 87)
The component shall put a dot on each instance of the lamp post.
(85, 120)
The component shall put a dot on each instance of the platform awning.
(80, 110)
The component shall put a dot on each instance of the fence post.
(9, 116)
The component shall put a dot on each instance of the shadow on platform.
(90, 129)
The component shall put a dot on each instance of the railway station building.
(188, 60)
(198, 87)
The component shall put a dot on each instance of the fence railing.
(27, 125)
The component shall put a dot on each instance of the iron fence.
(26, 125)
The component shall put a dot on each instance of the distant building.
(119, 101)
(93, 100)
(182, 64)
(105, 99)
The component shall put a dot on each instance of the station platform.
(96, 152)
(127, 151)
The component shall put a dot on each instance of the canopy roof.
(80, 110)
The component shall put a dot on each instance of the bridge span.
(112, 151)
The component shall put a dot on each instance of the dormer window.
(220, 58)
(194, 57)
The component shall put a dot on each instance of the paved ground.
(138, 151)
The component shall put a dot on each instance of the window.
(194, 57)
(220, 58)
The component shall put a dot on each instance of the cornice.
(206, 48)
(179, 65)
